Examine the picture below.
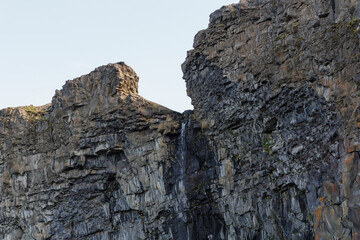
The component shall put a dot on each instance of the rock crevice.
(270, 151)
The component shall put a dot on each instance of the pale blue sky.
(43, 43)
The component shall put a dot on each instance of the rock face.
(275, 83)
(271, 150)
(88, 166)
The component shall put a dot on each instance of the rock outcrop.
(275, 83)
(271, 150)
(88, 166)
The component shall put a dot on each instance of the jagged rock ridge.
(89, 165)
(270, 151)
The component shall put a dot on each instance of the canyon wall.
(88, 166)
(271, 150)
(275, 84)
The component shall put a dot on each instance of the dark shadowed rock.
(275, 87)
(270, 151)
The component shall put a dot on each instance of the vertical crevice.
(333, 5)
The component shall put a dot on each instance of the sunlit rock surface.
(271, 150)
(275, 83)
(91, 165)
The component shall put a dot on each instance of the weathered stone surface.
(271, 150)
(90, 165)
(276, 84)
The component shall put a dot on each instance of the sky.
(44, 43)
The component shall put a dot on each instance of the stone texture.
(271, 150)
(275, 85)
(88, 166)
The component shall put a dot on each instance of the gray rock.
(271, 150)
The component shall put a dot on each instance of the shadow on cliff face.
(196, 214)
(271, 151)
(276, 148)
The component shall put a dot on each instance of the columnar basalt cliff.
(276, 84)
(271, 150)
(90, 165)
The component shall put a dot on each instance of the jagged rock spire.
(108, 81)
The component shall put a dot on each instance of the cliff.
(90, 165)
(275, 82)
(271, 150)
